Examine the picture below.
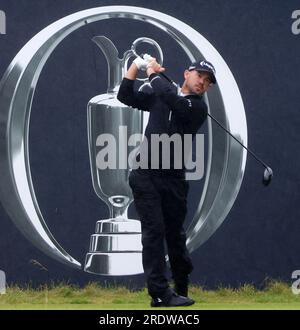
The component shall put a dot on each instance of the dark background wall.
(260, 237)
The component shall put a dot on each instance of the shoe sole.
(164, 305)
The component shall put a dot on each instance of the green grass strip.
(276, 295)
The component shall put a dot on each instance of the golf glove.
(142, 63)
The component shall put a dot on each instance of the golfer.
(160, 194)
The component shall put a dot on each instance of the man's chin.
(198, 91)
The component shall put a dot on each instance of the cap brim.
(213, 78)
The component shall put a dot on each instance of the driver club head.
(268, 175)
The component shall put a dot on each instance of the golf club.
(268, 172)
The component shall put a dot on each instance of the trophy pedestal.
(115, 248)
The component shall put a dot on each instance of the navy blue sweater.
(169, 112)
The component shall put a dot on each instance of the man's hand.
(145, 63)
(154, 67)
(140, 63)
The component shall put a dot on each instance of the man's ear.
(186, 73)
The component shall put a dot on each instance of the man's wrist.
(132, 72)
(150, 71)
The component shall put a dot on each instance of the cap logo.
(204, 63)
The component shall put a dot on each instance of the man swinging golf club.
(160, 195)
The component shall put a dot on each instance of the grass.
(276, 295)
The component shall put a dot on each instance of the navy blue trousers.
(161, 203)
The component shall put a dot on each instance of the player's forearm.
(132, 72)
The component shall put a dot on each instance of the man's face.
(196, 82)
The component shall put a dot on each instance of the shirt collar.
(179, 92)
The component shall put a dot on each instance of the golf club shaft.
(215, 120)
(251, 152)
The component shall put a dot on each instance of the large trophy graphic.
(115, 248)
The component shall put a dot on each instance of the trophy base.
(114, 263)
(118, 225)
(116, 242)
(115, 248)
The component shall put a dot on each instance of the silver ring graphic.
(226, 159)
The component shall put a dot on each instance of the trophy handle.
(132, 52)
(117, 67)
(160, 58)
